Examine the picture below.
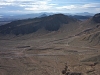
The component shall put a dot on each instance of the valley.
(47, 50)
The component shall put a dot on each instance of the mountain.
(80, 17)
(87, 32)
(26, 26)
(96, 18)
(9, 17)
(22, 16)
(85, 14)
(90, 36)
(43, 15)
(50, 45)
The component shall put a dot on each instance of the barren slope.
(90, 36)
(45, 52)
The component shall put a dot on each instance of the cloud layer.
(25, 6)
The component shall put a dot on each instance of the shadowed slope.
(50, 23)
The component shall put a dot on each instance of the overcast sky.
(37, 6)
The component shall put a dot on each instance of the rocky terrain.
(44, 46)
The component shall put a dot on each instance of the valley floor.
(46, 57)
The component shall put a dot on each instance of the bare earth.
(46, 56)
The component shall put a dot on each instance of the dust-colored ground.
(46, 56)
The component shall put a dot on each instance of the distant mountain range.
(6, 18)
(80, 17)
(33, 15)
(85, 14)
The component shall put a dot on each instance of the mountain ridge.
(90, 35)
(50, 23)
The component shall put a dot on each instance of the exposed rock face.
(96, 18)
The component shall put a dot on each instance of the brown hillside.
(50, 45)
(90, 36)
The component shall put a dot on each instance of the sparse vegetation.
(53, 42)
